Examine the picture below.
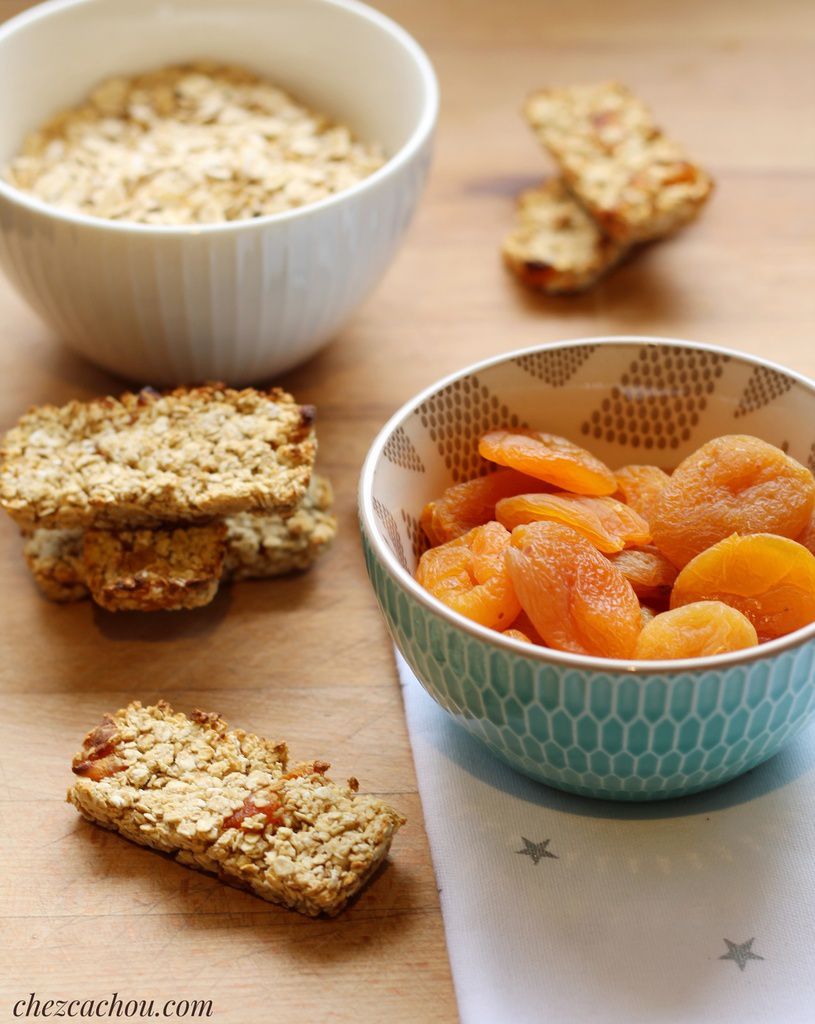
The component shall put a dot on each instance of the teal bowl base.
(615, 787)
(623, 775)
(608, 735)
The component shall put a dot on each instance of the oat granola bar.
(264, 546)
(226, 802)
(149, 459)
(556, 247)
(154, 570)
(256, 547)
(55, 560)
(635, 181)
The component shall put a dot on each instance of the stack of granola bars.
(621, 182)
(148, 501)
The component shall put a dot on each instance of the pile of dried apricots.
(556, 549)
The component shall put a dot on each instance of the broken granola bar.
(555, 246)
(226, 802)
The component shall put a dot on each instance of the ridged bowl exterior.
(614, 730)
(242, 301)
(238, 305)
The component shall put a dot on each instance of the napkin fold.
(561, 909)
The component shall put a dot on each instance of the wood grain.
(83, 912)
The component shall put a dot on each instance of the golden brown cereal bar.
(255, 547)
(154, 570)
(636, 182)
(226, 802)
(55, 560)
(148, 459)
(260, 546)
(555, 246)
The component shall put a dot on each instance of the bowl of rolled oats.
(206, 189)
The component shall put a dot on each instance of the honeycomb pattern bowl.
(601, 728)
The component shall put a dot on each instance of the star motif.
(537, 851)
(740, 952)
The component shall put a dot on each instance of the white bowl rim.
(420, 134)
(546, 654)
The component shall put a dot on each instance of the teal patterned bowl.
(601, 728)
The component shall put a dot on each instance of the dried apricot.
(551, 458)
(472, 503)
(426, 523)
(646, 614)
(733, 484)
(607, 523)
(641, 487)
(695, 631)
(469, 575)
(574, 596)
(523, 624)
(647, 570)
(807, 538)
(769, 579)
(516, 634)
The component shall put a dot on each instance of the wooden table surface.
(83, 912)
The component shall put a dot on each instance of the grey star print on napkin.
(537, 851)
(628, 924)
(740, 952)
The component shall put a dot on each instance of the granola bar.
(256, 547)
(148, 459)
(55, 560)
(154, 570)
(227, 803)
(635, 181)
(264, 546)
(555, 246)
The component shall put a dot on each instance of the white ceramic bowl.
(239, 301)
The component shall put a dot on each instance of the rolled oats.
(190, 144)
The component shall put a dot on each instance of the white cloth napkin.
(559, 909)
